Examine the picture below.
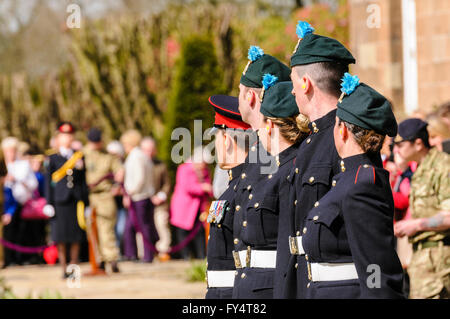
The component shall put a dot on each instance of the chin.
(302, 111)
(222, 165)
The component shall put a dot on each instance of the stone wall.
(377, 46)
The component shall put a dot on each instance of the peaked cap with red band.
(66, 127)
(227, 112)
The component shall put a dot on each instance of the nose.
(293, 92)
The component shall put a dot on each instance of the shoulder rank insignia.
(217, 210)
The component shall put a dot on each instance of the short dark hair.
(326, 75)
(424, 136)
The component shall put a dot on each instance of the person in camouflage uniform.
(102, 169)
(429, 227)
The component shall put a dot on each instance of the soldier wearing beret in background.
(318, 64)
(67, 195)
(102, 170)
(348, 241)
(232, 145)
(429, 227)
(280, 132)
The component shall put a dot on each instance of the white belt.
(220, 278)
(255, 258)
(296, 246)
(330, 272)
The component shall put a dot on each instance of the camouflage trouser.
(106, 216)
(429, 273)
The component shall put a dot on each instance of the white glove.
(162, 196)
(87, 212)
(49, 210)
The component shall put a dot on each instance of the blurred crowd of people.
(123, 182)
(395, 160)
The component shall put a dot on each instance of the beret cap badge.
(303, 28)
(348, 84)
(254, 53)
(267, 81)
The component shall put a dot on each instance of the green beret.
(260, 64)
(278, 101)
(363, 106)
(313, 48)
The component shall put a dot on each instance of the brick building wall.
(433, 52)
(376, 42)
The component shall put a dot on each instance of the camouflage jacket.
(430, 191)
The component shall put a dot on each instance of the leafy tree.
(198, 76)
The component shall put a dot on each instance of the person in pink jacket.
(190, 198)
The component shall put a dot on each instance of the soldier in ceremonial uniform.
(318, 64)
(67, 195)
(256, 225)
(348, 236)
(102, 170)
(429, 227)
(258, 162)
(231, 149)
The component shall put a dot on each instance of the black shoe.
(102, 265)
(114, 267)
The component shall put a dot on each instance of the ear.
(269, 127)
(418, 144)
(306, 84)
(345, 133)
(251, 97)
(228, 140)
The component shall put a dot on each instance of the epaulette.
(365, 172)
(50, 151)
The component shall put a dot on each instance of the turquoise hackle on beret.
(278, 101)
(314, 48)
(361, 105)
(259, 64)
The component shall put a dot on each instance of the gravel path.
(136, 280)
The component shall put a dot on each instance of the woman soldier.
(256, 226)
(67, 196)
(348, 236)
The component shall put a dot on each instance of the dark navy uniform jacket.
(316, 163)
(353, 222)
(256, 226)
(220, 244)
(71, 188)
(257, 161)
(64, 196)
